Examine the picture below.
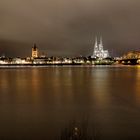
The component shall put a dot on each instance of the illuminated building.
(34, 51)
(99, 52)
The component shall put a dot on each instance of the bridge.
(131, 58)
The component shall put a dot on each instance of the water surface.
(37, 103)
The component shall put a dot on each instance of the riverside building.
(35, 52)
(99, 52)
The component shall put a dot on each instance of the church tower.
(96, 44)
(101, 44)
(95, 48)
(34, 51)
(99, 52)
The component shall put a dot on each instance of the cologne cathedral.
(99, 52)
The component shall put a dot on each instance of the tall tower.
(34, 51)
(101, 44)
(95, 51)
(99, 52)
(96, 44)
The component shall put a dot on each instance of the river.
(39, 102)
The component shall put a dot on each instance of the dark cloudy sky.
(68, 27)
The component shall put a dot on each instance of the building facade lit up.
(99, 52)
(35, 52)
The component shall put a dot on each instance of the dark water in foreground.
(37, 103)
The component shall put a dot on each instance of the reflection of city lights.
(137, 85)
(138, 66)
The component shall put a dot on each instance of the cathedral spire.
(96, 44)
(101, 44)
(99, 52)
(101, 41)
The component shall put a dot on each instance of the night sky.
(68, 27)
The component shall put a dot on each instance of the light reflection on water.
(42, 101)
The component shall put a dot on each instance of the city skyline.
(68, 27)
